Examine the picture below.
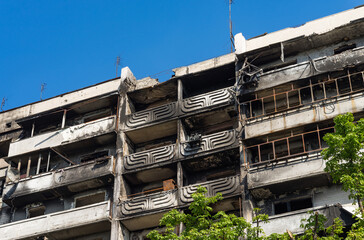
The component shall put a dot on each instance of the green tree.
(344, 156)
(201, 224)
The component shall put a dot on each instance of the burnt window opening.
(211, 167)
(208, 81)
(35, 211)
(8, 124)
(210, 122)
(344, 48)
(90, 199)
(280, 65)
(293, 205)
(94, 156)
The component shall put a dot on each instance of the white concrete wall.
(63, 136)
(282, 173)
(56, 221)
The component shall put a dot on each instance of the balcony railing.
(58, 221)
(163, 154)
(228, 186)
(176, 109)
(287, 147)
(210, 142)
(281, 101)
(55, 179)
(148, 203)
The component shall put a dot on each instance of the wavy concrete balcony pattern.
(57, 221)
(226, 186)
(152, 115)
(210, 142)
(149, 157)
(218, 97)
(171, 110)
(150, 202)
(63, 136)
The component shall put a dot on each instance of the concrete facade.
(107, 161)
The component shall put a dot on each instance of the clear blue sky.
(70, 44)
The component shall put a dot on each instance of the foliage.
(345, 160)
(201, 224)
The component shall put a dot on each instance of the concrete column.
(127, 82)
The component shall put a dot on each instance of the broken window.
(35, 210)
(90, 199)
(292, 205)
(344, 48)
(94, 156)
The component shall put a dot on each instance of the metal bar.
(274, 150)
(274, 100)
(337, 87)
(251, 109)
(303, 143)
(48, 160)
(323, 86)
(19, 165)
(289, 151)
(260, 158)
(287, 99)
(39, 162)
(33, 128)
(28, 167)
(312, 96)
(351, 88)
(64, 118)
(62, 156)
(318, 135)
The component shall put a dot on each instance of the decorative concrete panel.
(145, 158)
(218, 97)
(150, 202)
(152, 115)
(226, 186)
(210, 142)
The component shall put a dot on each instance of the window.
(90, 199)
(93, 156)
(293, 205)
(35, 211)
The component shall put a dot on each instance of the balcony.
(298, 173)
(293, 104)
(48, 185)
(173, 110)
(210, 143)
(66, 224)
(291, 221)
(162, 155)
(228, 187)
(63, 136)
(149, 203)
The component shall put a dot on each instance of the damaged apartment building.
(107, 161)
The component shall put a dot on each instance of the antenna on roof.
(117, 64)
(3, 103)
(231, 28)
(42, 88)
